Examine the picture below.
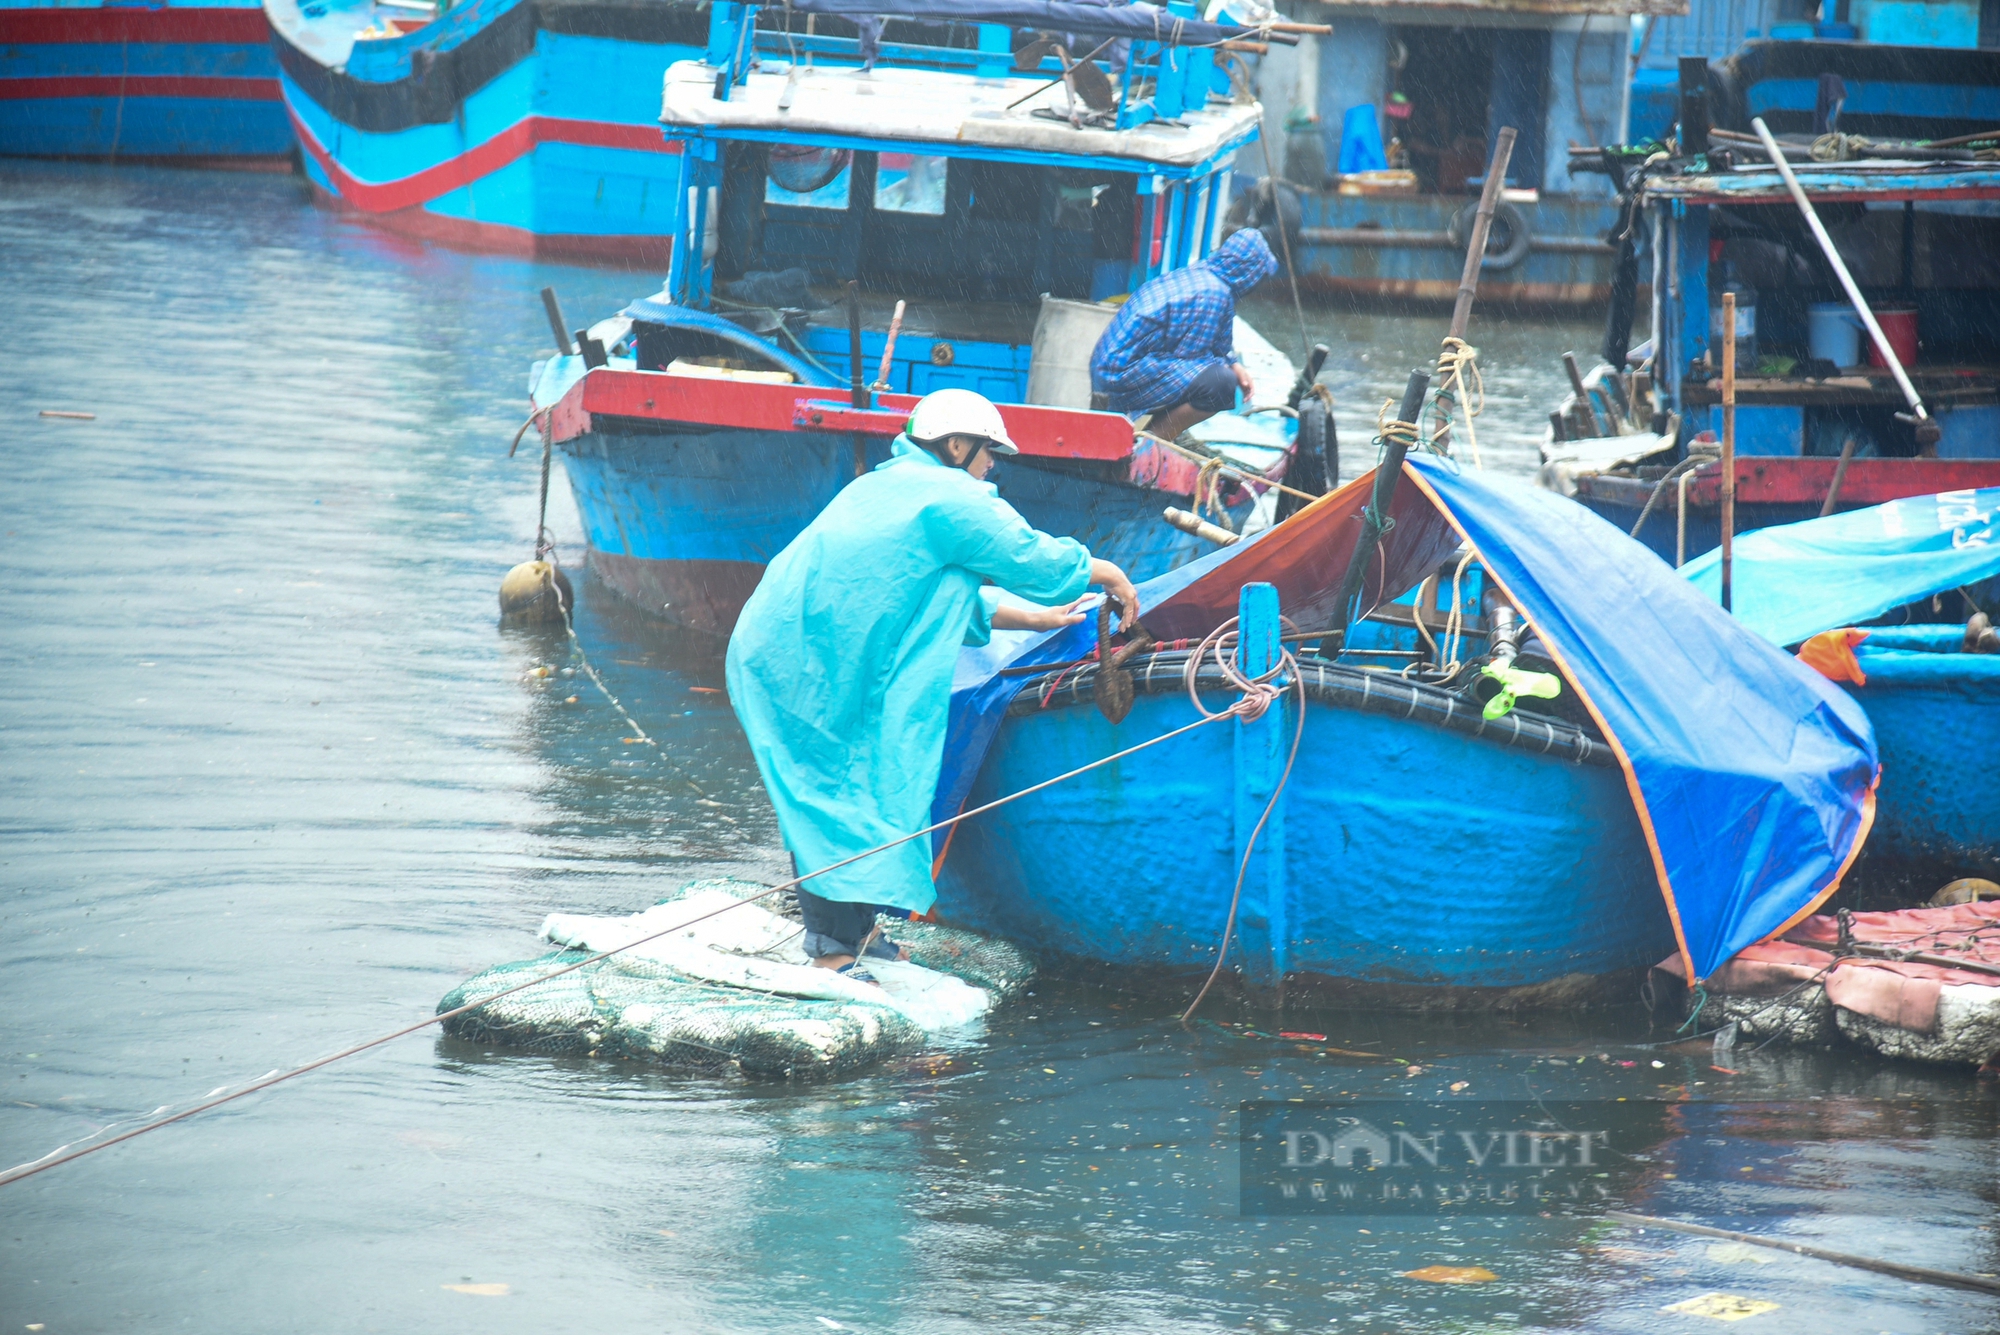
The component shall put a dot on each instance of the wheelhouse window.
(910, 183)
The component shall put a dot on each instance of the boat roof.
(1880, 180)
(942, 112)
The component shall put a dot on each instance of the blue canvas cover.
(1792, 581)
(1753, 776)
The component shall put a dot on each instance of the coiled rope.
(1259, 693)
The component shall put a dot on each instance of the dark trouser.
(834, 927)
(1213, 391)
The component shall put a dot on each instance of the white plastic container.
(1066, 332)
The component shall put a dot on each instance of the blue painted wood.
(1260, 748)
(1936, 713)
(682, 521)
(1419, 858)
(1431, 272)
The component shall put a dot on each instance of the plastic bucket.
(1899, 326)
(1833, 332)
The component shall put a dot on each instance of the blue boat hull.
(1937, 725)
(500, 126)
(184, 84)
(1394, 247)
(682, 522)
(1414, 864)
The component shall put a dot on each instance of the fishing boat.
(526, 127)
(1389, 122)
(856, 229)
(1403, 844)
(1822, 421)
(1887, 602)
(192, 84)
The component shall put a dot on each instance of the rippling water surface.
(273, 782)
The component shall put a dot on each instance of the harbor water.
(274, 782)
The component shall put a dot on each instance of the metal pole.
(1728, 440)
(1928, 431)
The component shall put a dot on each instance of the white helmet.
(959, 412)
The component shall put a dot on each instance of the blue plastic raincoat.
(840, 667)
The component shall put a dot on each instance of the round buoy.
(535, 592)
(1969, 890)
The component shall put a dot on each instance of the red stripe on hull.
(1056, 433)
(39, 27)
(497, 239)
(483, 160)
(141, 85)
(704, 596)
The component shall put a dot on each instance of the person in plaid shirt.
(1171, 350)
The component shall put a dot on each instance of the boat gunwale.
(1338, 686)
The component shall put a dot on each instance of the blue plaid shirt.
(1177, 326)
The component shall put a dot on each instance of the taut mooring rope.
(1258, 701)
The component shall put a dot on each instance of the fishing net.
(734, 991)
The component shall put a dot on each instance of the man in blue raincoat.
(1171, 349)
(840, 667)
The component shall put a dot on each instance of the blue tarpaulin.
(1792, 581)
(1752, 775)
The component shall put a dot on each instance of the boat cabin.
(965, 180)
(1921, 238)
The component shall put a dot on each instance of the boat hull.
(1417, 866)
(1398, 248)
(682, 521)
(1936, 714)
(195, 86)
(1770, 490)
(546, 143)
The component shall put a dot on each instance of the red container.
(1899, 326)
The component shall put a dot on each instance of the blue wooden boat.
(1422, 857)
(703, 427)
(1390, 123)
(521, 126)
(1908, 228)
(1936, 711)
(1424, 851)
(194, 84)
(1894, 571)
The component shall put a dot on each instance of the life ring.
(1509, 231)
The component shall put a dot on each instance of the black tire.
(1315, 463)
(1507, 240)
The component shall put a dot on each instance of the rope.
(1208, 494)
(1258, 695)
(1223, 466)
(1457, 371)
(57, 1157)
(1687, 465)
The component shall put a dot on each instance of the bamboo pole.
(1475, 249)
(1728, 441)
